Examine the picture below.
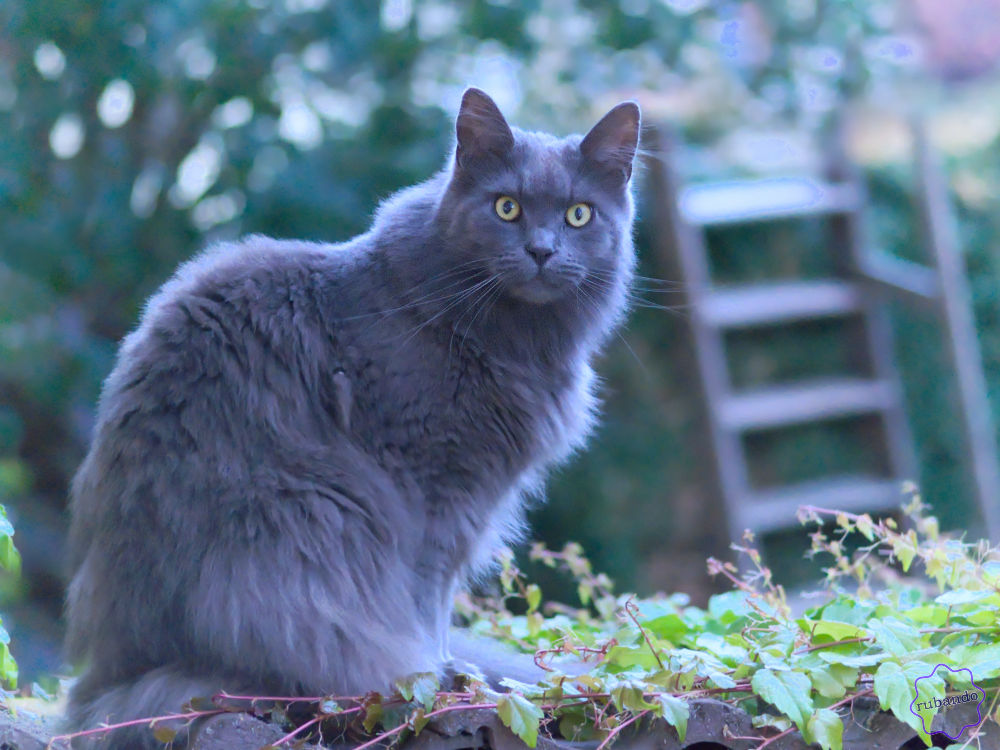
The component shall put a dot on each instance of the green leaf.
(628, 696)
(6, 527)
(10, 558)
(421, 687)
(674, 711)
(928, 614)
(833, 629)
(669, 626)
(962, 596)
(373, 715)
(826, 684)
(164, 734)
(787, 691)
(533, 594)
(825, 728)
(417, 720)
(835, 656)
(905, 549)
(895, 636)
(628, 657)
(781, 723)
(730, 653)
(521, 716)
(8, 667)
(534, 691)
(895, 691)
(330, 707)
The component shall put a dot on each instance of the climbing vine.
(901, 600)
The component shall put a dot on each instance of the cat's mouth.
(542, 288)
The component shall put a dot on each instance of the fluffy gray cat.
(304, 450)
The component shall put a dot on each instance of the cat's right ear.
(482, 131)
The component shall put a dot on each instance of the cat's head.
(548, 218)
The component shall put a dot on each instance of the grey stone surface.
(712, 725)
(24, 731)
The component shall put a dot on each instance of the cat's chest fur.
(457, 419)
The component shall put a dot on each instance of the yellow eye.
(578, 214)
(507, 208)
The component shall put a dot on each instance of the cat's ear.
(611, 144)
(481, 129)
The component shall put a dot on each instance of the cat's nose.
(540, 245)
(541, 253)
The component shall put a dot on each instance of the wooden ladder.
(856, 291)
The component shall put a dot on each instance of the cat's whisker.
(458, 298)
(638, 277)
(636, 300)
(484, 300)
(494, 283)
(582, 291)
(439, 295)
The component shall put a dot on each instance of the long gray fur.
(304, 450)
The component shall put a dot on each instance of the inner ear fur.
(481, 129)
(611, 144)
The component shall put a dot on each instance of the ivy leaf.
(962, 596)
(330, 707)
(781, 723)
(895, 692)
(825, 728)
(10, 558)
(826, 684)
(834, 656)
(983, 660)
(928, 614)
(421, 687)
(788, 691)
(8, 667)
(628, 696)
(417, 720)
(575, 725)
(533, 594)
(904, 547)
(628, 657)
(895, 636)
(521, 716)
(373, 715)
(674, 711)
(164, 734)
(669, 626)
(524, 688)
(866, 526)
(833, 629)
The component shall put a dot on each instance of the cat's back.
(224, 360)
(256, 296)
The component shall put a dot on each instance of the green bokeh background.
(293, 118)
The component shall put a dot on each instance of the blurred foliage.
(133, 133)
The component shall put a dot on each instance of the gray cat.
(304, 450)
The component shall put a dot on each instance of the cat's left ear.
(611, 144)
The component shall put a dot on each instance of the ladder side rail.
(849, 232)
(955, 310)
(686, 244)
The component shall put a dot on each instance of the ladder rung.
(764, 200)
(766, 304)
(781, 406)
(776, 509)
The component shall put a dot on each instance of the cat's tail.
(131, 711)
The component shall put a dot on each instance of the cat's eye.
(578, 214)
(507, 208)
